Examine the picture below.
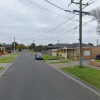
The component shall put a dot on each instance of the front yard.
(90, 75)
(47, 57)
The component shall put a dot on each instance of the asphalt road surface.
(30, 79)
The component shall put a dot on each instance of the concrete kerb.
(79, 81)
(5, 69)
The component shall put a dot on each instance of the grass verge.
(98, 60)
(59, 62)
(1, 68)
(90, 75)
(46, 57)
(8, 59)
(14, 54)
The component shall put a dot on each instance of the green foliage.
(16, 44)
(50, 44)
(32, 46)
(39, 48)
(90, 44)
(90, 75)
(45, 47)
(20, 47)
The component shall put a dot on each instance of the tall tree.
(39, 48)
(96, 14)
(50, 44)
(20, 47)
(32, 46)
(90, 44)
(16, 44)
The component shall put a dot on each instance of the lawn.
(14, 54)
(47, 57)
(1, 68)
(90, 75)
(98, 60)
(7, 59)
(59, 62)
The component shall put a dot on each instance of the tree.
(45, 47)
(96, 14)
(90, 44)
(39, 48)
(16, 44)
(32, 46)
(20, 47)
(0, 44)
(50, 44)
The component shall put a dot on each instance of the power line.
(29, 2)
(57, 6)
(69, 30)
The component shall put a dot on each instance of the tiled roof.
(74, 45)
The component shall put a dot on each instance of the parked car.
(38, 56)
(98, 57)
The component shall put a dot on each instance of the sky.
(42, 23)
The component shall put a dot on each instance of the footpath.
(70, 64)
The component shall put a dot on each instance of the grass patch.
(90, 75)
(14, 54)
(1, 68)
(46, 57)
(34, 53)
(98, 60)
(7, 59)
(59, 62)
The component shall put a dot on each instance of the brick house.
(87, 53)
(72, 51)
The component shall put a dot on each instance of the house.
(52, 50)
(72, 51)
(1, 50)
(88, 52)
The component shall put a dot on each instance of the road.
(30, 79)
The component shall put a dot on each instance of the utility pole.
(14, 44)
(97, 42)
(80, 27)
(80, 33)
(80, 23)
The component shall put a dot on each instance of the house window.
(86, 52)
(74, 52)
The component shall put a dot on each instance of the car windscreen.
(39, 55)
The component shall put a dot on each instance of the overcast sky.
(43, 23)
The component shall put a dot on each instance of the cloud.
(27, 24)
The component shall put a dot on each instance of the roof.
(74, 45)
